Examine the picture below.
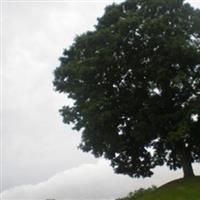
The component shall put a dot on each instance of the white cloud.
(88, 181)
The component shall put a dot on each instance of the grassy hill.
(181, 189)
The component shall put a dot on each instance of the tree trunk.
(186, 161)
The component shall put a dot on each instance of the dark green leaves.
(135, 82)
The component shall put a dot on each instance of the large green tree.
(135, 82)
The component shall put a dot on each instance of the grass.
(181, 189)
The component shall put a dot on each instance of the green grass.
(181, 189)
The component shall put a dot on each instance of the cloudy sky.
(40, 158)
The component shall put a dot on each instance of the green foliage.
(135, 82)
(138, 193)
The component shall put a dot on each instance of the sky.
(39, 154)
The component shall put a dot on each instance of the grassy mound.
(181, 189)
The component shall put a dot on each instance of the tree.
(135, 82)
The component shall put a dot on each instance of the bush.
(138, 193)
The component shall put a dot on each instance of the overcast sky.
(40, 156)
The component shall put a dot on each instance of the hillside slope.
(181, 189)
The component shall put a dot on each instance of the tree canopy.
(135, 82)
